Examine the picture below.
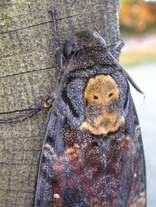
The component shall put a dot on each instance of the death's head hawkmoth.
(92, 152)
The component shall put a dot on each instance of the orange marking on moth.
(102, 112)
(46, 104)
(73, 152)
(59, 166)
(140, 202)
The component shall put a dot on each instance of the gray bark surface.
(27, 74)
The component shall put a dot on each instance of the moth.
(92, 152)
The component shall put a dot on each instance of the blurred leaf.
(137, 14)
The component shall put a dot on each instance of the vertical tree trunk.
(27, 74)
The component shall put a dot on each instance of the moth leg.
(56, 41)
(116, 48)
(27, 113)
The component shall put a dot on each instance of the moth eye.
(95, 97)
(68, 48)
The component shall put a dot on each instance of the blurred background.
(138, 30)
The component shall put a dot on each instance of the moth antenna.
(127, 75)
(133, 83)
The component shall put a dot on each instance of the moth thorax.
(102, 106)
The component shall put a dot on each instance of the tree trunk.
(27, 69)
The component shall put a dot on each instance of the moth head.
(83, 40)
(89, 39)
(83, 50)
(103, 111)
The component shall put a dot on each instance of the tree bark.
(27, 69)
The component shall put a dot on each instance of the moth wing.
(104, 171)
(43, 194)
(137, 194)
(133, 189)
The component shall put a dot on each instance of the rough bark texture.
(27, 71)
